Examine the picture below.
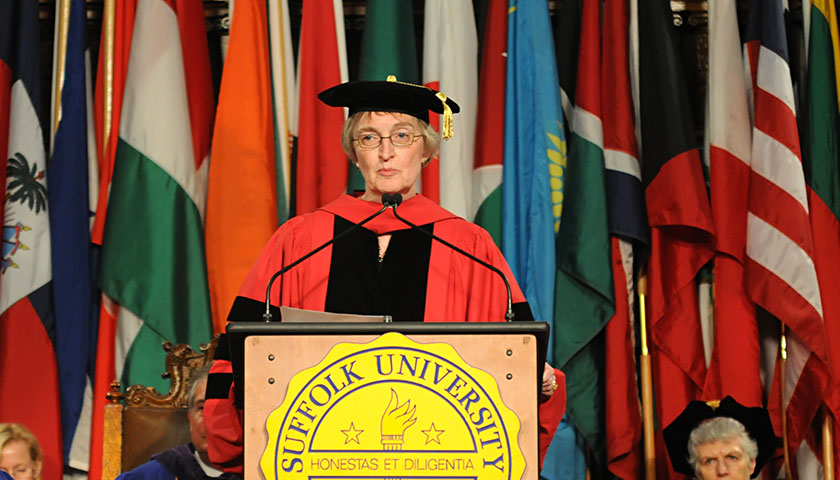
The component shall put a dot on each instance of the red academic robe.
(417, 279)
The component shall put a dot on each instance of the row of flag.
(631, 194)
(133, 216)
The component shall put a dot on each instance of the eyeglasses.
(399, 139)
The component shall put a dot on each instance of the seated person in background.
(189, 461)
(385, 267)
(725, 439)
(20, 454)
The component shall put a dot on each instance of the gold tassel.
(446, 126)
(446, 130)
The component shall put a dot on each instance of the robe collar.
(418, 210)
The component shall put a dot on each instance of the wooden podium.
(390, 400)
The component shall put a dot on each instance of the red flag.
(623, 178)
(108, 97)
(322, 166)
(623, 411)
(198, 78)
(107, 134)
(678, 213)
(734, 368)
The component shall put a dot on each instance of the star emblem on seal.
(351, 434)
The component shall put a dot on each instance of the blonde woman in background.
(20, 454)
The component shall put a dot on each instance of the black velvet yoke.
(360, 283)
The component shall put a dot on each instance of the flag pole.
(97, 470)
(828, 443)
(108, 21)
(647, 385)
(62, 21)
(782, 365)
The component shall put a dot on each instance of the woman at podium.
(373, 260)
(385, 267)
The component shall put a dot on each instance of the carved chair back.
(142, 422)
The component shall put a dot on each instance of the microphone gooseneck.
(267, 314)
(393, 200)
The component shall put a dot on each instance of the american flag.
(779, 271)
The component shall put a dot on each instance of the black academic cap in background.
(755, 420)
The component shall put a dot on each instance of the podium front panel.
(282, 370)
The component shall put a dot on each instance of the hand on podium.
(549, 381)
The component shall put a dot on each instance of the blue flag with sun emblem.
(535, 155)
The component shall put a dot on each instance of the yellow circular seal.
(393, 408)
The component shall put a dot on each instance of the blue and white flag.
(75, 294)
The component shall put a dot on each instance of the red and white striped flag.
(779, 272)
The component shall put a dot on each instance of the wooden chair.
(150, 422)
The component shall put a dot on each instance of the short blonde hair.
(430, 136)
(9, 432)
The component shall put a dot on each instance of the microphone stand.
(394, 199)
(267, 314)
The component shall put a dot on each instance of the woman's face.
(16, 460)
(389, 169)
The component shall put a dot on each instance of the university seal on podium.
(393, 408)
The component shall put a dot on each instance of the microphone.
(394, 199)
(267, 314)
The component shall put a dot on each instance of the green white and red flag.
(490, 123)
(153, 261)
